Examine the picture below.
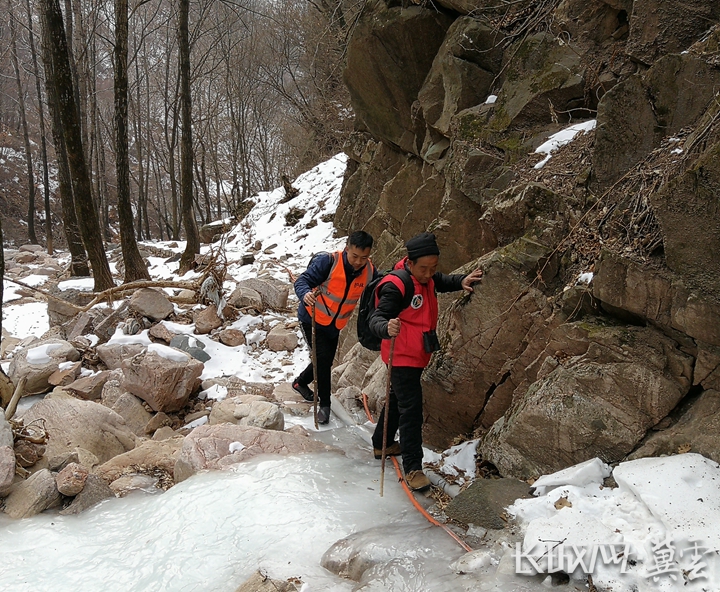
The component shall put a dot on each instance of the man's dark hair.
(360, 239)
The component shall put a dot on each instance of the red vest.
(333, 303)
(420, 316)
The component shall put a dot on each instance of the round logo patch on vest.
(417, 301)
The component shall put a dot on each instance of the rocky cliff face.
(451, 100)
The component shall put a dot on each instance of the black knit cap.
(421, 245)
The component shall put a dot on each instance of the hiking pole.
(314, 365)
(387, 414)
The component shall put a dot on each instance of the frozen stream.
(214, 530)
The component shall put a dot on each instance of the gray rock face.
(462, 73)
(657, 296)
(659, 27)
(72, 424)
(636, 114)
(484, 502)
(208, 447)
(695, 431)
(37, 363)
(600, 403)
(489, 343)
(165, 383)
(151, 303)
(389, 56)
(688, 207)
(28, 498)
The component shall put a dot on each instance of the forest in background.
(265, 98)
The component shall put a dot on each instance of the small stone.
(207, 320)
(161, 332)
(95, 491)
(71, 480)
(157, 421)
(232, 337)
(28, 453)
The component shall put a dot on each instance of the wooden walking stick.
(387, 414)
(314, 364)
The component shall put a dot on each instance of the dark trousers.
(406, 414)
(326, 346)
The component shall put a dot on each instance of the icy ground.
(211, 532)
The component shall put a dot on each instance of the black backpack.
(367, 306)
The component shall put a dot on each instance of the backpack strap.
(402, 280)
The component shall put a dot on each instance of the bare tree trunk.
(134, 265)
(78, 258)
(192, 247)
(2, 269)
(82, 189)
(43, 142)
(26, 136)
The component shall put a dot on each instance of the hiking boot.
(304, 391)
(391, 450)
(417, 481)
(323, 415)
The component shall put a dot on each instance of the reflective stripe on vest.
(337, 301)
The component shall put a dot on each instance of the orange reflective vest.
(337, 299)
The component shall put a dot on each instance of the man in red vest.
(415, 340)
(340, 279)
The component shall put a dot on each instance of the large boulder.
(72, 424)
(274, 293)
(150, 456)
(541, 71)
(660, 27)
(38, 362)
(163, 377)
(697, 430)
(462, 72)
(32, 496)
(281, 338)
(688, 210)
(113, 354)
(488, 342)
(656, 295)
(220, 446)
(7, 455)
(389, 55)
(151, 303)
(600, 403)
(371, 165)
(248, 410)
(636, 114)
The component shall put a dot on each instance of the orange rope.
(410, 495)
